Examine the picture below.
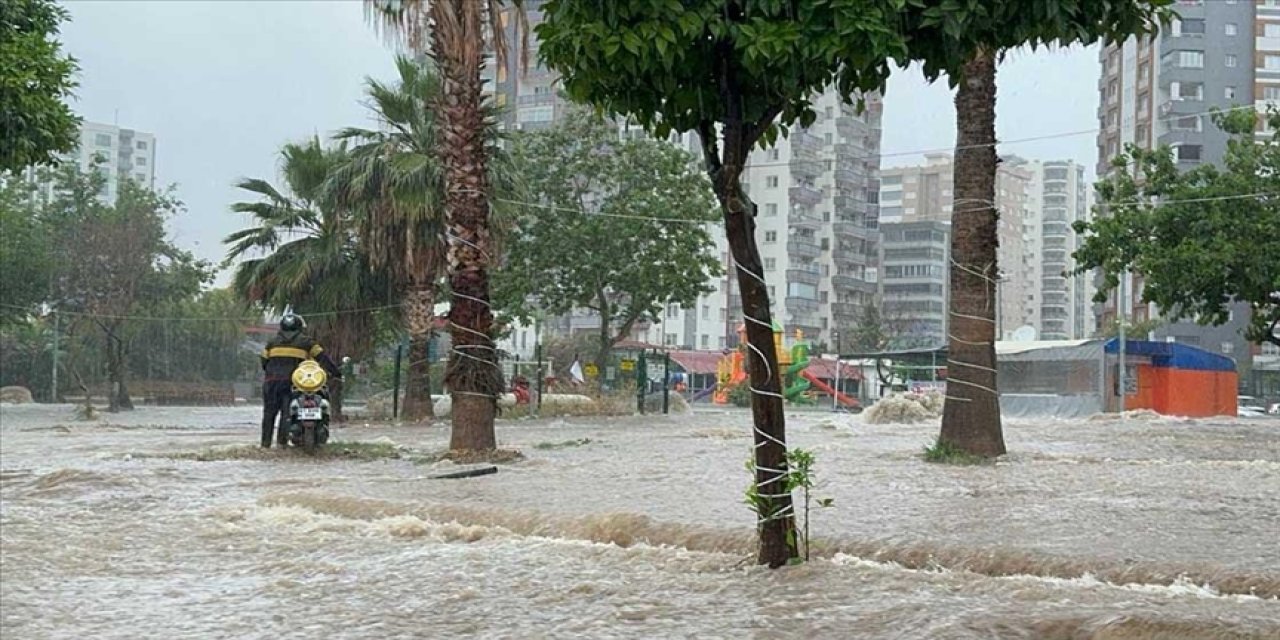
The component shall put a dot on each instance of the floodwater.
(1142, 528)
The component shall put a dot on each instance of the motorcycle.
(309, 407)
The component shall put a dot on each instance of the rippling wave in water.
(1094, 529)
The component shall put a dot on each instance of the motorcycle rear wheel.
(309, 437)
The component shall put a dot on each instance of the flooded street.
(635, 527)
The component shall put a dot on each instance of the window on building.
(1187, 90)
(706, 341)
(773, 292)
(673, 310)
(826, 139)
(771, 209)
(828, 112)
(1271, 63)
(1230, 60)
(706, 312)
(1229, 29)
(1188, 59)
(723, 342)
(141, 177)
(774, 154)
(770, 264)
(1271, 92)
(102, 140)
(1271, 29)
(669, 339)
(771, 182)
(537, 114)
(1229, 93)
(141, 161)
(1189, 153)
(142, 145)
(723, 313)
(1187, 123)
(1188, 26)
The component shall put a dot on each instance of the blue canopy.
(1173, 355)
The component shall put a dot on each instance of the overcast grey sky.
(223, 84)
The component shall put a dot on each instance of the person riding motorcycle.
(289, 348)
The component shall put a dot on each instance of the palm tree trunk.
(971, 417)
(419, 315)
(473, 376)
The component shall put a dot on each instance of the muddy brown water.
(1142, 528)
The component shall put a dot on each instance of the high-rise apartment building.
(925, 193)
(1058, 305)
(1220, 54)
(116, 152)
(816, 194)
(914, 288)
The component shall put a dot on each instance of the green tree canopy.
(1201, 239)
(945, 34)
(36, 80)
(25, 264)
(625, 264)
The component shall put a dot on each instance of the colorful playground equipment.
(797, 381)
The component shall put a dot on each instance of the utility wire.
(538, 205)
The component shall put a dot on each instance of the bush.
(740, 394)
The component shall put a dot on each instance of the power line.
(256, 318)
(538, 205)
(1037, 138)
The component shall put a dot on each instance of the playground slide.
(704, 393)
(795, 392)
(827, 389)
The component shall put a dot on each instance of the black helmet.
(292, 323)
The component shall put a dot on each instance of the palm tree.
(394, 185)
(456, 33)
(306, 255)
(971, 419)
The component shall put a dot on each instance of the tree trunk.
(118, 396)
(777, 518)
(473, 376)
(601, 359)
(971, 416)
(419, 316)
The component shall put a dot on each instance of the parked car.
(1250, 407)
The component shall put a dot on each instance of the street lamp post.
(835, 390)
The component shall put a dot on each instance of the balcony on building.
(846, 309)
(852, 283)
(803, 217)
(800, 305)
(804, 247)
(807, 167)
(804, 276)
(849, 229)
(805, 144)
(806, 194)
